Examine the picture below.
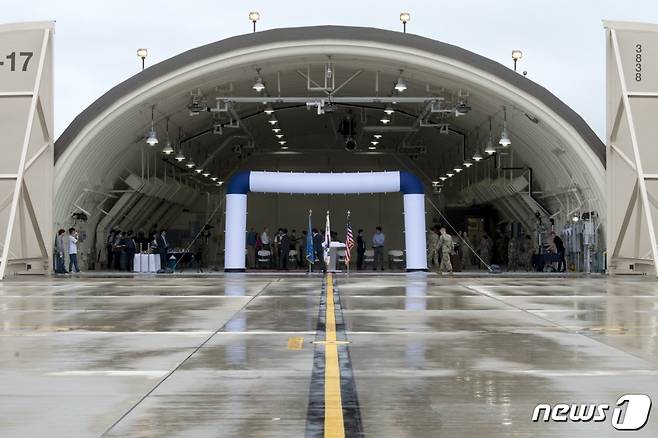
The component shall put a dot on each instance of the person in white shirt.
(378, 240)
(73, 250)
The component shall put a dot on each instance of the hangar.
(330, 99)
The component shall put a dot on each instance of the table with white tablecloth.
(146, 263)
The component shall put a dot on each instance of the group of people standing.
(121, 247)
(66, 244)
(283, 242)
(516, 253)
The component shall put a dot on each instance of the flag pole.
(348, 258)
(310, 265)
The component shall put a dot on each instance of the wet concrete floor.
(431, 356)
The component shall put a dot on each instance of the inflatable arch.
(325, 183)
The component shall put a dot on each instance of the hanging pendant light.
(276, 130)
(389, 109)
(443, 178)
(400, 84)
(450, 174)
(168, 149)
(467, 164)
(458, 169)
(504, 136)
(151, 135)
(206, 174)
(180, 157)
(258, 85)
(490, 149)
(385, 120)
(268, 110)
(273, 120)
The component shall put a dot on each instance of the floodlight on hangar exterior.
(142, 53)
(516, 55)
(254, 16)
(405, 17)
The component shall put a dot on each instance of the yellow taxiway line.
(333, 405)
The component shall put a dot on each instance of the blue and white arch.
(325, 183)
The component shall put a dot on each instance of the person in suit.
(360, 249)
(162, 248)
(285, 249)
(131, 250)
(59, 252)
(318, 250)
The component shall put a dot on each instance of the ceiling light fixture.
(450, 175)
(276, 130)
(504, 136)
(400, 84)
(268, 110)
(258, 85)
(458, 169)
(214, 178)
(273, 120)
(467, 164)
(206, 174)
(377, 136)
(477, 157)
(180, 157)
(374, 142)
(389, 109)
(490, 149)
(282, 142)
(168, 149)
(198, 170)
(443, 178)
(151, 135)
(372, 148)
(385, 120)
(279, 136)
(285, 148)
(219, 183)
(189, 164)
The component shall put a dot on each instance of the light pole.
(254, 16)
(405, 17)
(142, 53)
(516, 55)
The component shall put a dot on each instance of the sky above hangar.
(563, 41)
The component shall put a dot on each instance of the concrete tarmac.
(232, 355)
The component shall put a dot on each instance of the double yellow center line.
(334, 426)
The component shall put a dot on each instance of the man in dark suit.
(318, 251)
(360, 249)
(285, 249)
(162, 249)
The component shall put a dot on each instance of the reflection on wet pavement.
(431, 356)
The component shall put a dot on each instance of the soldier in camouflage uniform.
(432, 247)
(447, 246)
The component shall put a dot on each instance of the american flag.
(349, 241)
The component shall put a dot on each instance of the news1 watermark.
(630, 412)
